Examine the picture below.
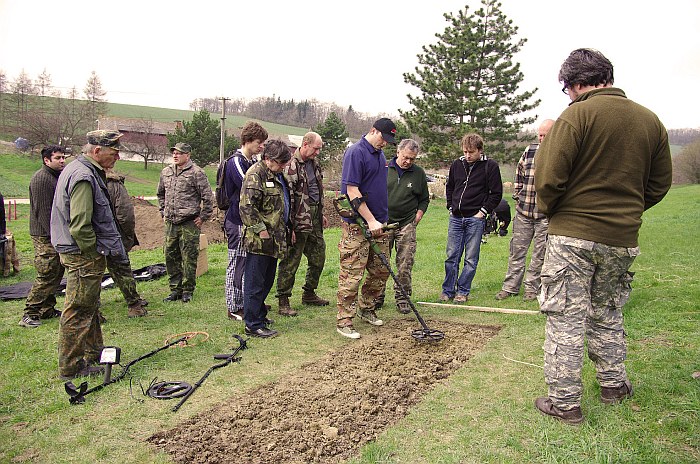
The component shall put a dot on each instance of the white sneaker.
(348, 331)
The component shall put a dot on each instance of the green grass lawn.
(483, 413)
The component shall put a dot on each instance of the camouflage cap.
(181, 147)
(105, 138)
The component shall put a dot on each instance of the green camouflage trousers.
(181, 249)
(403, 240)
(123, 277)
(79, 334)
(310, 244)
(584, 287)
(41, 299)
(356, 256)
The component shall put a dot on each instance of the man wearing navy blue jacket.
(253, 138)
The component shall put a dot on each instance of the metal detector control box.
(110, 355)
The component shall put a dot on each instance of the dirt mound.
(149, 224)
(332, 407)
(150, 231)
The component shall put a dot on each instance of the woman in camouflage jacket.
(264, 209)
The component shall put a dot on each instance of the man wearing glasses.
(84, 232)
(41, 301)
(605, 161)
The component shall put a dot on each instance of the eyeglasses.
(565, 90)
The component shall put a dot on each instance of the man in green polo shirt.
(407, 187)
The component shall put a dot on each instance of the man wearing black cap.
(84, 232)
(364, 181)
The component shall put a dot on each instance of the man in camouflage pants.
(303, 174)
(604, 162)
(529, 225)
(41, 300)
(407, 188)
(185, 200)
(364, 181)
(120, 269)
(84, 232)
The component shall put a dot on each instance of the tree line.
(43, 114)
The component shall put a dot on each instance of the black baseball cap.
(388, 129)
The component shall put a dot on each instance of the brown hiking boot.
(572, 416)
(502, 295)
(310, 298)
(284, 308)
(137, 310)
(529, 296)
(615, 395)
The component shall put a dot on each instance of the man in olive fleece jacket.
(604, 162)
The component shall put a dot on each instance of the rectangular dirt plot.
(330, 408)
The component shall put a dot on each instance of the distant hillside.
(168, 114)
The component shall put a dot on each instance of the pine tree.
(334, 135)
(469, 82)
(203, 134)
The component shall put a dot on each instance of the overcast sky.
(167, 53)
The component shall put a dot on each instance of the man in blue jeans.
(473, 189)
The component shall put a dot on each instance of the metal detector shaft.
(77, 395)
(228, 359)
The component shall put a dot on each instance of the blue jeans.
(463, 236)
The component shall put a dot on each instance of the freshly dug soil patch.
(330, 408)
(150, 231)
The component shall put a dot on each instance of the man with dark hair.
(253, 137)
(41, 300)
(407, 188)
(265, 210)
(529, 225)
(364, 178)
(305, 179)
(84, 232)
(605, 161)
(473, 189)
(185, 200)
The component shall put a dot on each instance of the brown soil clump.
(330, 408)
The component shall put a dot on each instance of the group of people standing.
(602, 163)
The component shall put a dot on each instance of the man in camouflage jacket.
(120, 270)
(303, 174)
(185, 201)
(265, 212)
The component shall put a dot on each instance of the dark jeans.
(260, 273)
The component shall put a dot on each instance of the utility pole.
(223, 128)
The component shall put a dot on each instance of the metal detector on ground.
(347, 209)
(110, 356)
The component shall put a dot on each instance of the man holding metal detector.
(364, 178)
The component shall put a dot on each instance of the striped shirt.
(524, 189)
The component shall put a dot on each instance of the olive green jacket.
(184, 194)
(262, 207)
(604, 162)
